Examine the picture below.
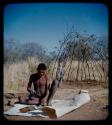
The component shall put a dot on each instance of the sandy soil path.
(95, 110)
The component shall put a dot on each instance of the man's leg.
(33, 102)
(26, 100)
(23, 99)
(52, 91)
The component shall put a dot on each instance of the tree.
(11, 51)
(16, 51)
(88, 50)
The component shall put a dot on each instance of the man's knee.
(22, 99)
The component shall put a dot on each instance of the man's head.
(41, 69)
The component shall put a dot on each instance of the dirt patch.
(96, 109)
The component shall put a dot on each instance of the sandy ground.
(96, 109)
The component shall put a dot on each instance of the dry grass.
(16, 75)
(93, 69)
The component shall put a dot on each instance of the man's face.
(42, 72)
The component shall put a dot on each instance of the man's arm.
(29, 84)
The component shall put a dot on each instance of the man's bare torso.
(39, 83)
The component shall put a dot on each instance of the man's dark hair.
(41, 66)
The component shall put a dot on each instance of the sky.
(46, 23)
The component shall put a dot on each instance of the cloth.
(58, 108)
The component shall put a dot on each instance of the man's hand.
(29, 89)
(33, 92)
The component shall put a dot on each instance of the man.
(44, 89)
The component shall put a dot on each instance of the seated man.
(44, 89)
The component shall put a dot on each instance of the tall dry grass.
(16, 75)
(92, 71)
